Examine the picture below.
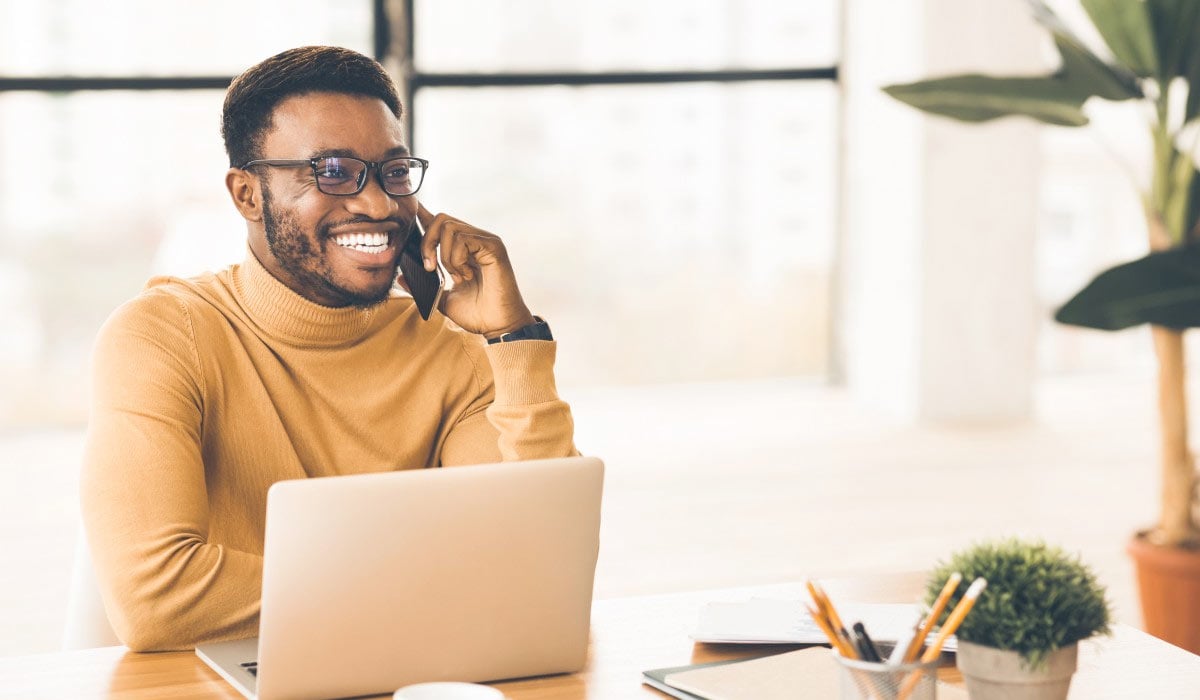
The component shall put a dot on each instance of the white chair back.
(87, 623)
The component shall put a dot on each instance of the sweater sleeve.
(144, 500)
(517, 413)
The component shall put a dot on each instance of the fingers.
(456, 255)
(430, 242)
(464, 248)
(444, 231)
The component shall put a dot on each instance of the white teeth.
(366, 242)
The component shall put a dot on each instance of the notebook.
(657, 678)
(376, 581)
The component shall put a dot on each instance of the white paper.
(766, 621)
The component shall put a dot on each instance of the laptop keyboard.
(252, 667)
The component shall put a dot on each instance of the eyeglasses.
(343, 176)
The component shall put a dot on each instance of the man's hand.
(484, 298)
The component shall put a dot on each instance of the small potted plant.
(1020, 640)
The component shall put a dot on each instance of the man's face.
(325, 247)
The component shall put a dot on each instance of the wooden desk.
(629, 635)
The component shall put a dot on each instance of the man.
(303, 360)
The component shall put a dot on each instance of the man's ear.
(246, 193)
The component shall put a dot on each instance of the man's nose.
(372, 201)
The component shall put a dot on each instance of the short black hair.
(253, 95)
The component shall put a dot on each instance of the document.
(768, 621)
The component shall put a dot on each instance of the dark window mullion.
(421, 80)
(381, 30)
(73, 83)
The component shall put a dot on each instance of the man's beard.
(309, 268)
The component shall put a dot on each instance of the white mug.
(448, 691)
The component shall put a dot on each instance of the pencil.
(825, 605)
(956, 617)
(935, 649)
(834, 618)
(834, 639)
(939, 604)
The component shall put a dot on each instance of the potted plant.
(1155, 45)
(1021, 638)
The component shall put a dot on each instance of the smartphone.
(425, 286)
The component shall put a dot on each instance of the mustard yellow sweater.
(207, 391)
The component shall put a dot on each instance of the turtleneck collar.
(287, 315)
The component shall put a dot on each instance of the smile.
(363, 242)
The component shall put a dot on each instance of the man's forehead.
(337, 124)
(341, 152)
(317, 99)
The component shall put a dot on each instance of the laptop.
(376, 581)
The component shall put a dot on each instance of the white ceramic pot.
(995, 674)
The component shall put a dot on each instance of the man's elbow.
(152, 632)
(147, 617)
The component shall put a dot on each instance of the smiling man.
(304, 360)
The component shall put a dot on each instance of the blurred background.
(778, 293)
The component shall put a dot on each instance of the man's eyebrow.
(394, 152)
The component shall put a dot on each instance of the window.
(102, 188)
(663, 173)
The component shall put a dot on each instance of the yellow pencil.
(834, 639)
(939, 604)
(956, 617)
(825, 605)
(834, 618)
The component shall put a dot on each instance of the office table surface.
(629, 635)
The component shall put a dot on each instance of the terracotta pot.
(997, 674)
(1169, 584)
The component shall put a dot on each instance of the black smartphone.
(425, 286)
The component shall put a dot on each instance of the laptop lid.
(376, 581)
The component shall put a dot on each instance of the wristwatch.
(538, 330)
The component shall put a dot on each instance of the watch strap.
(538, 330)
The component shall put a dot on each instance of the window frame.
(413, 80)
(394, 37)
(387, 44)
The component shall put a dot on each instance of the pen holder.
(867, 680)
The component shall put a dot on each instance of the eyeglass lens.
(399, 176)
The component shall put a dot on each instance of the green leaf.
(1192, 234)
(1176, 24)
(978, 98)
(1193, 107)
(1087, 71)
(1175, 207)
(1054, 99)
(1193, 80)
(1162, 289)
(1126, 28)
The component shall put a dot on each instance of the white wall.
(937, 290)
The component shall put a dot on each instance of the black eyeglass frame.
(362, 182)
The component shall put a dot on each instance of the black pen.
(867, 648)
